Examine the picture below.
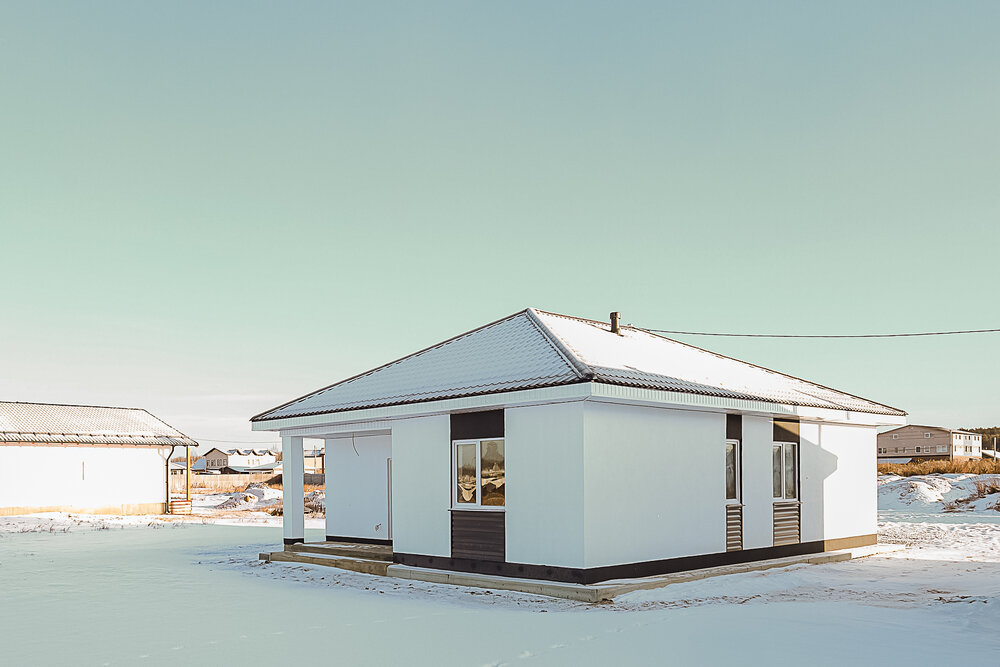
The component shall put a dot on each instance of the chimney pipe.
(615, 329)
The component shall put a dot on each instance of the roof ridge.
(73, 405)
(580, 367)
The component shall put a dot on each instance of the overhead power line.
(235, 442)
(891, 335)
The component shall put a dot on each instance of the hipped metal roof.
(533, 349)
(85, 424)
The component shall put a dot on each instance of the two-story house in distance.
(928, 442)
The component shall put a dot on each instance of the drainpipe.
(169, 456)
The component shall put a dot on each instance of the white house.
(216, 459)
(629, 454)
(80, 458)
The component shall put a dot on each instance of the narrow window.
(732, 471)
(785, 471)
(776, 471)
(465, 460)
(791, 471)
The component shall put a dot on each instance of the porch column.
(292, 490)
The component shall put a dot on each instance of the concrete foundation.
(373, 560)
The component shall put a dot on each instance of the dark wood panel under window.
(786, 523)
(734, 527)
(479, 535)
(476, 425)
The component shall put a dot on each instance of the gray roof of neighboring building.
(85, 424)
(933, 428)
(533, 349)
(196, 466)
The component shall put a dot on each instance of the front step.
(352, 564)
(361, 551)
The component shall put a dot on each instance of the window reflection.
(465, 460)
(492, 474)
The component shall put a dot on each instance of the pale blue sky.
(210, 208)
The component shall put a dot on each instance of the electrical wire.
(234, 442)
(892, 335)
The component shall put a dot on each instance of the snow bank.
(940, 493)
(256, 496)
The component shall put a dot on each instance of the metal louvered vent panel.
(734, 527)
(786, 523)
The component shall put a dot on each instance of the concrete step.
(362, 551)
(353, 564)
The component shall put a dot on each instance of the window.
(732, 471)
(917, 450)
(927, 435)
(942, 449)
(897, 450)
(479, 474)
(895, 436)
(784, 470)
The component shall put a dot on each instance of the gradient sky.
(207, 209)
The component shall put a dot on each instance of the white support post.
(292, 490)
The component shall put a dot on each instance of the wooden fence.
(227, 483)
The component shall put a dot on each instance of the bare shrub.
(940, 467)
(986, 487)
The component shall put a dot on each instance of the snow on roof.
(533, 349)
(85, 424)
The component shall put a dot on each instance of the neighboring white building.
(216, 459)
(80, 458)
(628, 454)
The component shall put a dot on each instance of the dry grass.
(932, 467)
(309, 488)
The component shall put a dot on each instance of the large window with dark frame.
(479, 474)
(785, 471)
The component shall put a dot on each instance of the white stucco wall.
(81, 478)
(758, 516)
(654, 483)
(545, 482)
(357, 487)
(421, 485)
(839, 489)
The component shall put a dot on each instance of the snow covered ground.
(192, 593)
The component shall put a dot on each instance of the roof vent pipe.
(615, 329)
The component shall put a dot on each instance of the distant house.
(928, 442)
(273, 467)
(315, 460)
(217, 459)
(629, 455)
(81, 458)
(180, 467)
